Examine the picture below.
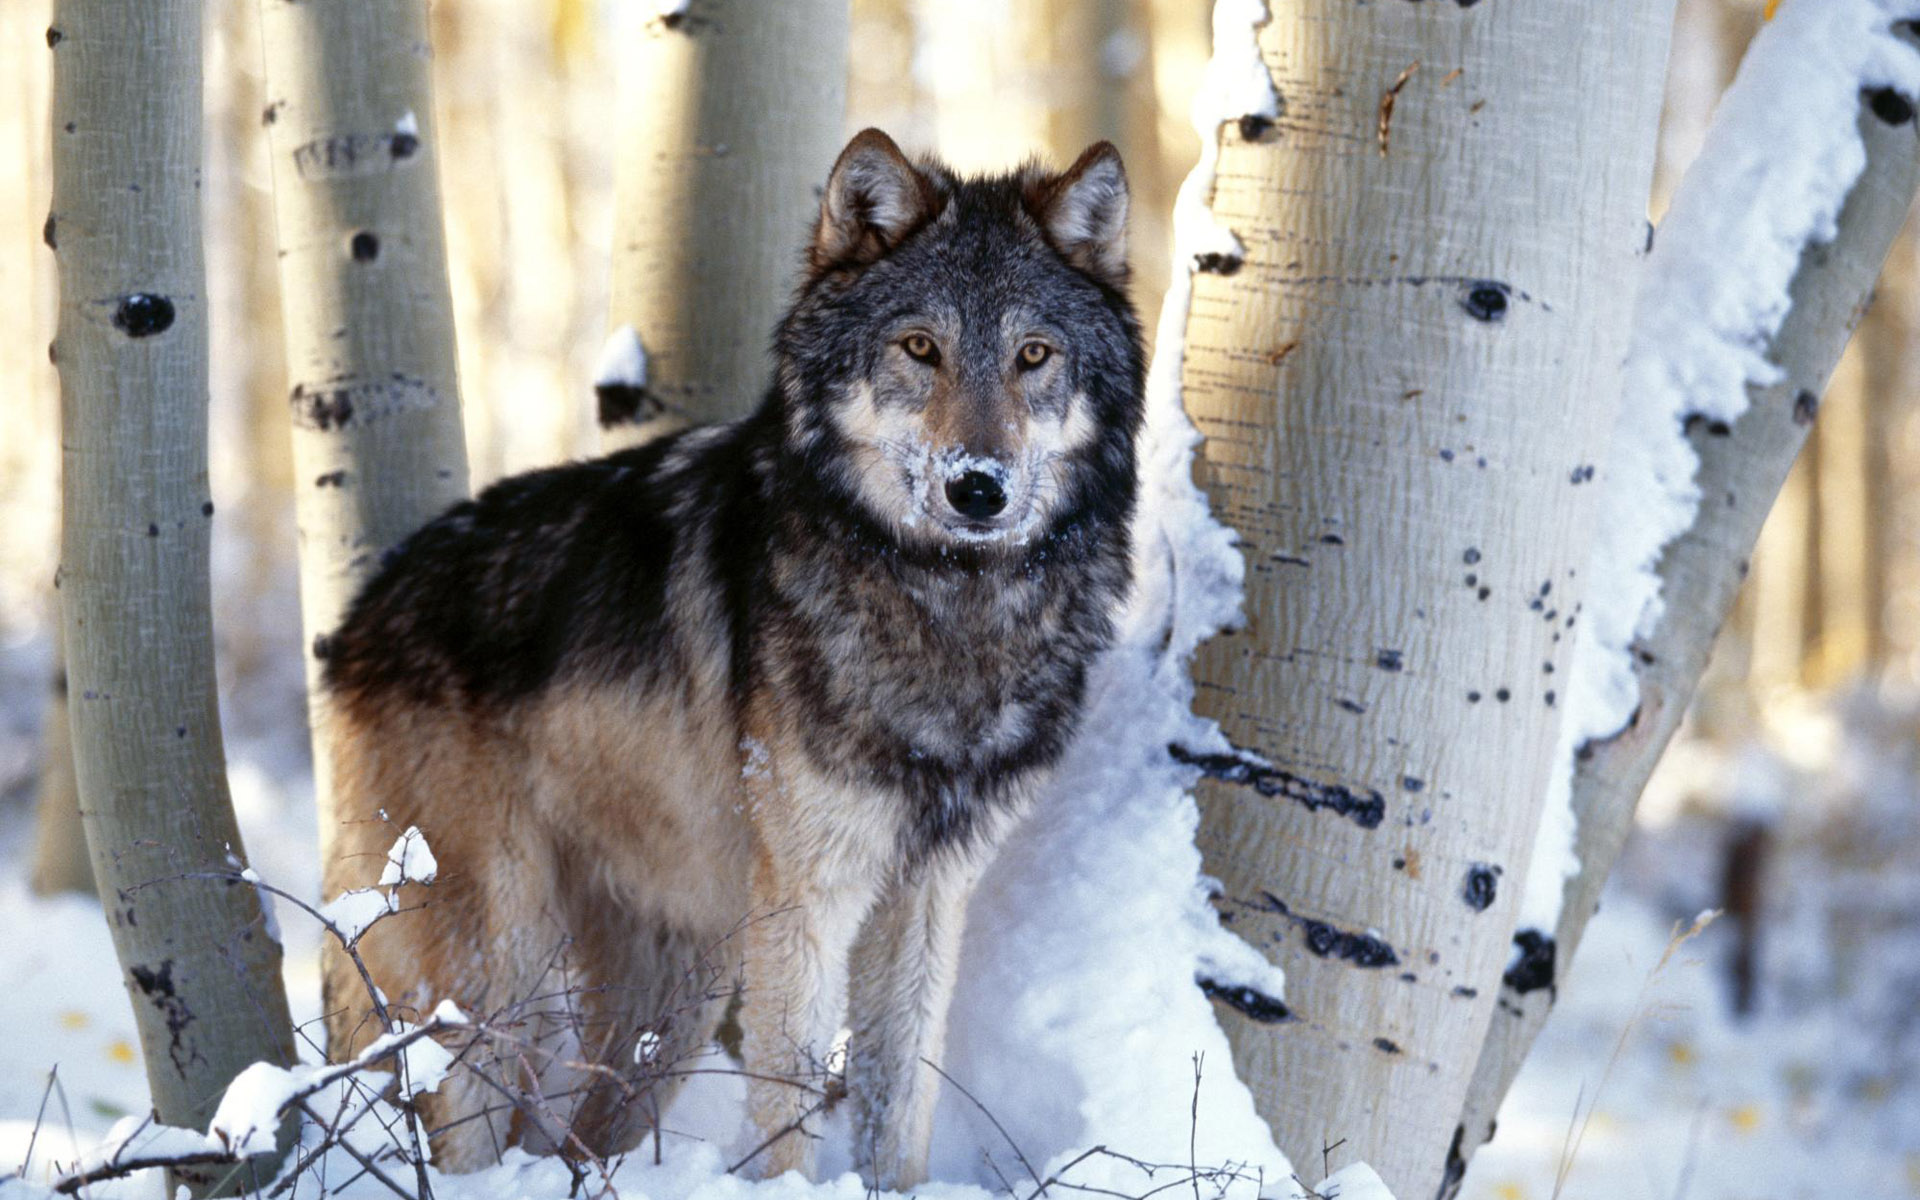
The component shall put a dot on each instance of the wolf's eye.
(1033, 354)
(920, 348)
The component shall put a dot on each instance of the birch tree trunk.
(375, 396)
(1742, 468)
(1406, 377)
(731, 114)
(202, 972)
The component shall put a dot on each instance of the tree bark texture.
(731, 114)
(1405, 382)
(1742, 468)
(375, 394)
(201, 970)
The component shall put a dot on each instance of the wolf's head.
(961, 365)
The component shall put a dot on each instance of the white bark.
(1742, 468)
(1406, 370)
(375, 395)
(202, 973)
(731, 114)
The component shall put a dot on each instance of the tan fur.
(743, 860)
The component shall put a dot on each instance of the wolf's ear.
(874, 198)
(1084, 213)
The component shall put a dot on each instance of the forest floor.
(1815, 1092)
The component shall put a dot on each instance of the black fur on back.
(897, 660)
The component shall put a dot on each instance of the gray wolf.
(756, 701)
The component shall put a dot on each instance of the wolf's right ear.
(874, 199)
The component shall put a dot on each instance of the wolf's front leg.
(807, 907)
(902, 978)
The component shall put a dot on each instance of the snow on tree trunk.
(374, 395)
(1744, 448)
(731, 115)
(1404, 351)
(201, 970)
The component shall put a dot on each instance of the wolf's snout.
(977, 495)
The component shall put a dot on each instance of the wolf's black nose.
(976, 494)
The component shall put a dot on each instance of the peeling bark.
(203, 975)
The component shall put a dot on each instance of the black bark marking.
(1385, 1046)
(364, 246)
(156, 984)
(1486, 300)
(47, 233)
(1365, 808)
(1890, 106)
(1249, 1002)
(347, 154)
(1329, 941)
(322, 647)
(1534, 970)
(1389, 660)
(271, 112)
(622, 404)
(1212, 263)
(334, 404)
(1581, 474)
(143, 314)
(331, 479)
(1456, 1169)
(1254, 127)
(1465, 992)
(1483, 885)
(54, 37)
(1806, 406)
(1352, 706)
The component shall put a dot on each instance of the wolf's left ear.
(1084, 213)
(874, 198)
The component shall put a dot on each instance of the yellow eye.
(1033, 354)
(920, 347)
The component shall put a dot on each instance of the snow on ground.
(1817, 1092)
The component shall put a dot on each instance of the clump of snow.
(1779, 160)
(623, 360)
(138, 1138)
(1357, 1182)
(354, 912)
(249, 1113)
(409, 861)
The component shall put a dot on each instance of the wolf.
(756, 701)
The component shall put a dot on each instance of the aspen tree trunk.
(26, 465)
(201, 971)
(60, 862)
(375, 396)
(1405, 383)
(731, 114)
(1741, 471)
